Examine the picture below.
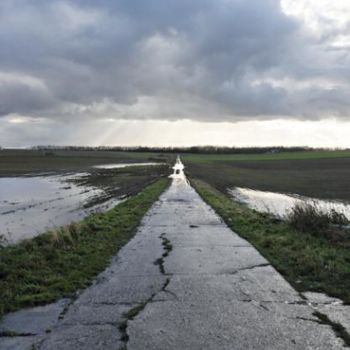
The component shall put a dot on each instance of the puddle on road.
(120, 165)
(30, 206)
(280, 204)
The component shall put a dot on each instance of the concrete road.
(185, 281)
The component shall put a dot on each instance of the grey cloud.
(23, 98)
(200, 59)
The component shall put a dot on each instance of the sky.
(175, 72)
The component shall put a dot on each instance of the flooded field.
(32, 205)
(280, 204)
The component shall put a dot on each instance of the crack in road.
(167, 249)
(246, 268)
(135, 311)
(337, 328)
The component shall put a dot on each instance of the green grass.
(309, 218)
(309, 263)
(204, 158)
(55, 265)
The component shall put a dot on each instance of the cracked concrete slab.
(87, 337)
(259, 284)
(18, 343)
(218, 324)
(121, 290)
(102, 314)
(186, 281)
(33, 320)
(333, 308)
(202, 236)
(320, 298)
(212, 260)
(337, 313)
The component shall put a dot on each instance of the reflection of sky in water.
(280, 204)
(32, 205)
(117, 166)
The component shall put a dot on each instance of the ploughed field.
(314, 174)
(24, 162)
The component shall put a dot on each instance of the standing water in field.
(280, 204)
(30, 206)
(119, 166)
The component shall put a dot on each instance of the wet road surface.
(185, 281)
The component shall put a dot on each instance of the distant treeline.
(193, 149)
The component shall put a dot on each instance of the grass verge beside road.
(308, 262)
(57, 264)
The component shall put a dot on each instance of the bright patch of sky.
(324, 18)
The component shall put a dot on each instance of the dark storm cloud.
(199, 59)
